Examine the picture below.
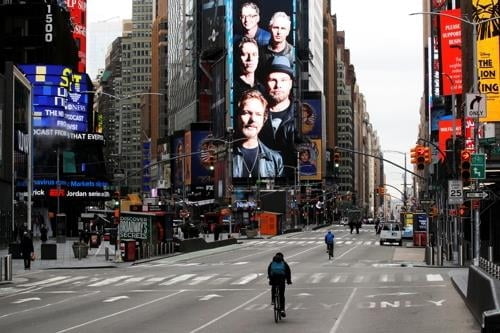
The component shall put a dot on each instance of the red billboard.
(78, 13)
(451, 52)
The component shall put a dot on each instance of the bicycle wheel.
(277, 311)
(330, 252)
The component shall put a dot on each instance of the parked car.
(391, 233)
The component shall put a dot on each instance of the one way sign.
(476, 105)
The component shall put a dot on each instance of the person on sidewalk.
(27, 249)
(43, 233)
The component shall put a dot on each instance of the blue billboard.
(60, 98)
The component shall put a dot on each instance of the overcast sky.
(386, 50)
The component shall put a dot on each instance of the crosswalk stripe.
(131, 280)
(339, 278)
(200, 279)
(70, 280)
(386, 278)
(316, 277)
(39, 283)
(247, 278)
(176, 279)
(359, 279)
(434, 277)
(109, 281)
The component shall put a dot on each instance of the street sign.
(455, 192)
(476, 105)
(478, 166)
(476, 195)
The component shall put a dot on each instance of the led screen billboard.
(58, 101)
(78, 13)
(264, 108)
(451, 52)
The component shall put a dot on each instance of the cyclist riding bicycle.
(278, 272)
(329, 240)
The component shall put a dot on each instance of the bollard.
(8, 267)
(490, 253)
(106, 253)
(460, 255)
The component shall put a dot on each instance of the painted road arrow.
(24, 300)
(208, 297)
(390, 294)
(114, 299)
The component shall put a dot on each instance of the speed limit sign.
(455, 192)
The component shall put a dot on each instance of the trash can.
(48, 251)
(127, 249)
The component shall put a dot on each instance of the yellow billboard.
(488, 48)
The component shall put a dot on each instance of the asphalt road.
(364, 289)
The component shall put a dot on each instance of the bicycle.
(276, 308)
(330, 251)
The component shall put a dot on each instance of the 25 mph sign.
(455, 192)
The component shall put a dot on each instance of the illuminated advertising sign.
(451, 52)
(446, 133)
(202, 162)
(58, 101)
(488, 55)
(310, 160)
(311, 118)
(178, 162)
(263, 44)
(78, 13)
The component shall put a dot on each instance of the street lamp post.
(474, 26)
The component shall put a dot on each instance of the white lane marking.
(156, 279)
(131, 280)
(317, 277)
(391, 294)
(220, 280)
(386, 278)
(240, 263)
(339, 242)
(348, 242)
(114, 299)
(339, 278)
(176, 279)
(200, 279)
(109, 281)
(359, 279)
(120, 312)
(71, 280)
(247, 278)
(368, 243)
(57, 278)
(344, 310)
(24, 300)
(209, 297)
(227, 313)
(434, 277)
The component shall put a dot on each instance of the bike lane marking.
(343, 312)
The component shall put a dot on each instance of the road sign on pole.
(478, 166)
(476, 105)
(455, 192)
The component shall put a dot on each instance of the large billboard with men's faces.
(262, 73)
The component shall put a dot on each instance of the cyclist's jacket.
(278, 271)
(329, 238)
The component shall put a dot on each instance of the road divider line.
(120, 312)
(227, 313)
(342, 313)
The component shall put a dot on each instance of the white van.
(391, 233)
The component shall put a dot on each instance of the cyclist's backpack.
(329, 238)
(277, 268)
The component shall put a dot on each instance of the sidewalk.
(96, 256)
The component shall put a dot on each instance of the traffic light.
(420, 157)
(465, 166)
(413, 154)
(427, 155)
(336, 159)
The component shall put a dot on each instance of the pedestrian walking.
(27, 249)
(358, 225)
(351, 225)
(43, 233)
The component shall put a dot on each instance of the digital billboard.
(488, 54)
(451, 52)
(58, 101)
(78, 12)
(264, 108)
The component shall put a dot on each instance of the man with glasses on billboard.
(250, 18)
(251, 158)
